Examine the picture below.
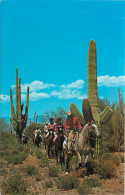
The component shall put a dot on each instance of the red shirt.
(72, 123)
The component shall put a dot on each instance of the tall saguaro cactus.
(18, 119)
(92, 80)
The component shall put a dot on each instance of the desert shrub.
(106, 166)
(122, 158)
(74, 160)
(30, 170)
(53, 171)
(67, 183)
(39, 154)
(43, 162)
(84, 189)
(16, 158)
(92, 182)
(20, 148)
(116, 159)
(14, 185)
(49, 184)
(38, 177)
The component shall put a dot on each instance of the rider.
(37, 132)
(71, 123)
(46, 128)
(59, 124)
(51, 126)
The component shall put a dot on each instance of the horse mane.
(84, 131)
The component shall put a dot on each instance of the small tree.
(59, 112)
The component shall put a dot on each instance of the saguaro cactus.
(106, 114)
(18, 119)
(74, 110)
(86, 109)
(92, 80)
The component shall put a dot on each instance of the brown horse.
(59, 145)
(49, 143)
(37, 140)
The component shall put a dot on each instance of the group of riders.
(70, 128)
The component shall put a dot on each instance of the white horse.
(81, 145)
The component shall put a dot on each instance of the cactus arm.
(105, 115)
(27, 103)
(77, 114)
(86, 109)
(92, 80)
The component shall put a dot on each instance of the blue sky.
(48, 42)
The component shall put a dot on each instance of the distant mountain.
(7, 119)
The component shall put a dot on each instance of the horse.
(37, 140)
(25, 140)
(59, 145)
(81, 146)
(49, 142)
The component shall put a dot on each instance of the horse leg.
(67, 161)
(79, 159)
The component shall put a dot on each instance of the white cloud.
(111, 81)
(35, 85)
(101, 97)
(67, 94)
(37, 96)
(77, 84)
(4, 98)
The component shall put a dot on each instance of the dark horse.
(49, 142)
(25, 140)
(37, 140)
(59, 145)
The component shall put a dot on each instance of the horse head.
(60, 131)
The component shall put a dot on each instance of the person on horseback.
(51, 127)
(38, 132)
(72, 125)
(46, 128)
(60, 125)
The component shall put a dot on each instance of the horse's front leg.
(79, 158)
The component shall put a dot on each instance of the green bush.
(84, 189)
(92, 182)
(38, 177)
(53, 171)
(67, 183)
(16, 158)
(74, 160)
(43, 162)
(105, 169)
(122, 158)
(39, 154)
(14, 185)
(30, 170)
(49, 184)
